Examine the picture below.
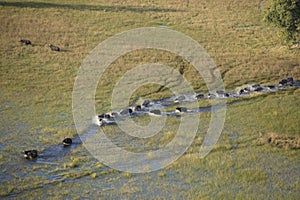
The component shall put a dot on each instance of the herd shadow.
(82, 7)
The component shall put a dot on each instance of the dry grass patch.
(281, 140)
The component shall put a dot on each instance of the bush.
(285, 14)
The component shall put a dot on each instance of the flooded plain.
(237, 164)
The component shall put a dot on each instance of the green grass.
(36, 87)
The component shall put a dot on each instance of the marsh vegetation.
(36, 101)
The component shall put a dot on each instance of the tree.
(285, 14)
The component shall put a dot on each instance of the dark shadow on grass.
(86, 7)
(66, 50)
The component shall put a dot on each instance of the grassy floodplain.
(36, 100)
